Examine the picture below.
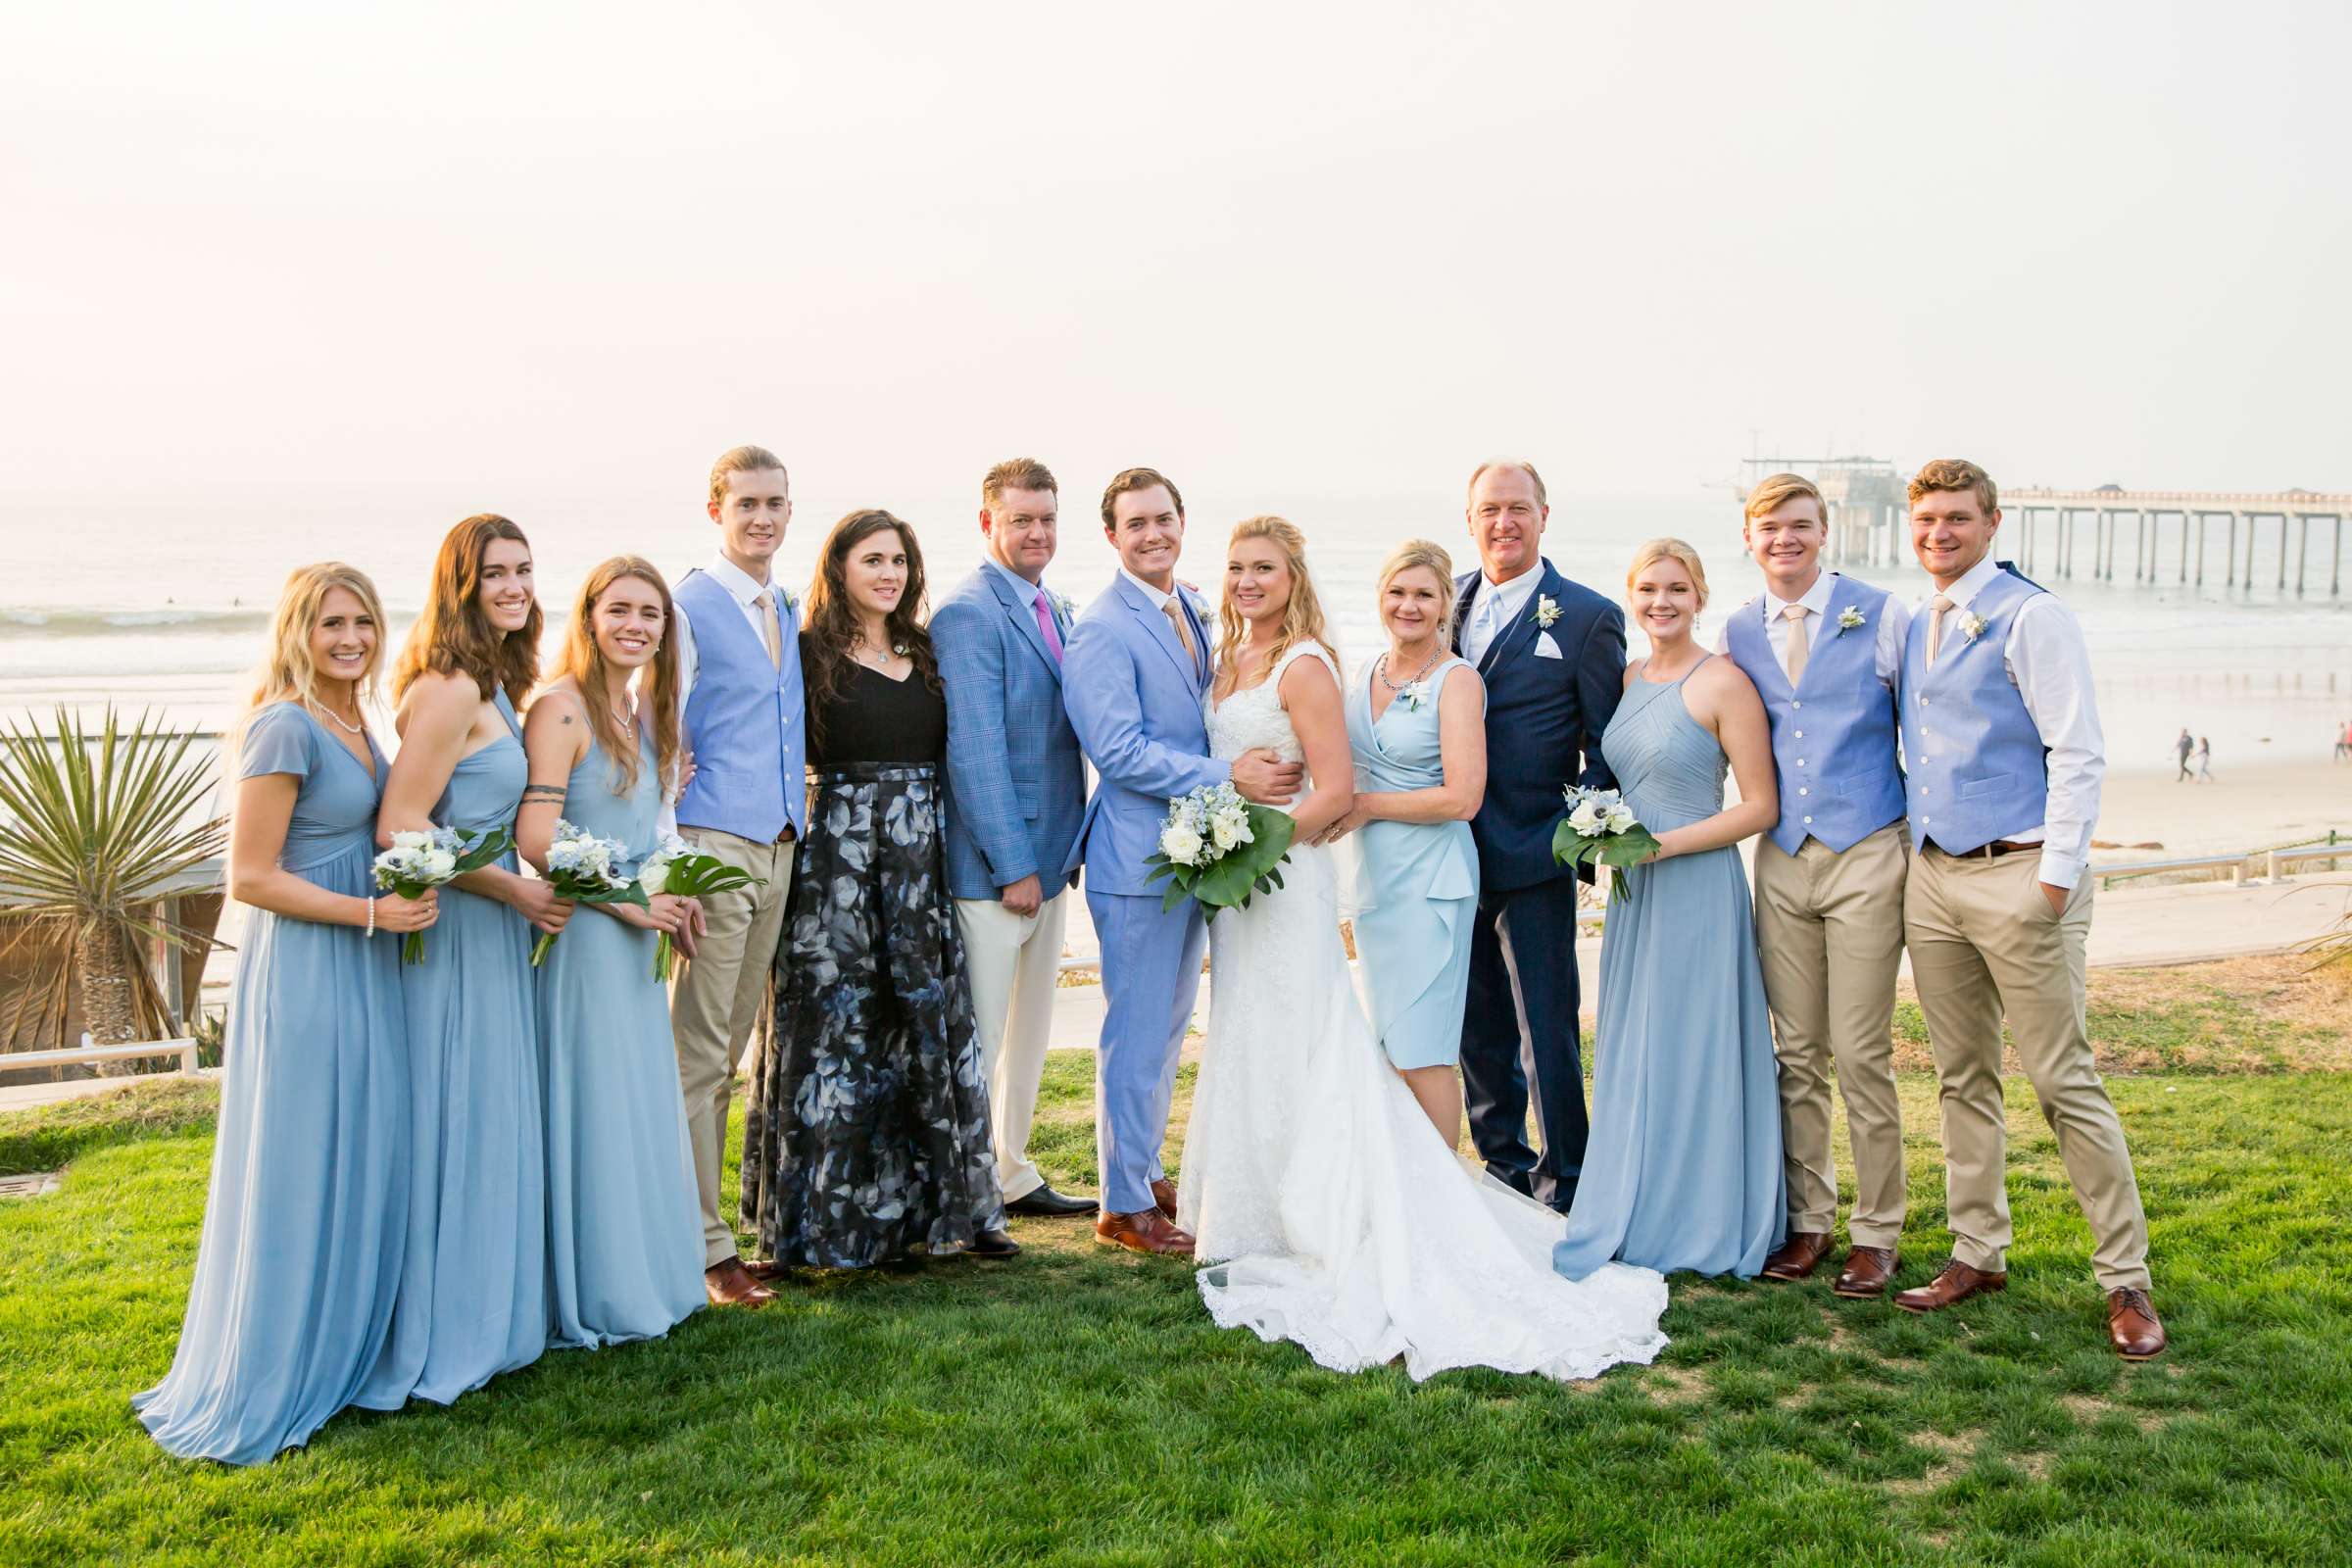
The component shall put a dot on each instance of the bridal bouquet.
(1219, 849)
(426, 859)
(684, 871)
(1600, 829)
(584, 868)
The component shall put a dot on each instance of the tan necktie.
(1184, 632)
(1796, 616)
(1941, 606)
(770, 629)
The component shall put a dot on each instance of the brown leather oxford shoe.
(730, 1284)
(1798, 1256)
(1163, 1194)
(1148, 1232)
(1956, 1283)
(2131, 1325)
(1866, 1273)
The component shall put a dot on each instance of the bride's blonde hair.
(1302, 618)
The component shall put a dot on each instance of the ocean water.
(163, 600)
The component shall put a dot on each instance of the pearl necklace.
(339, 719)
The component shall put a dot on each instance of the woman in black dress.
(866, 1139)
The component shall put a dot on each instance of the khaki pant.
(1985, 944)
(1830, 931)
(714, 1001)
(1014, 962)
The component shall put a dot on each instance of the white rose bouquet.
(683, 872)
(1219, 849)
(1600, 829)
(428, 857)
(586, 869)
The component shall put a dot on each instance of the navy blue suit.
(1545, 716)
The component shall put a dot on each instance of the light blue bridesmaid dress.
(473, 1288)
(624, 1217)
(1417, 888)
(301, 1256)
(1684, 1167)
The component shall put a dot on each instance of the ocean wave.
(22, 622)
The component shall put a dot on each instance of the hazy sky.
(1345, 249)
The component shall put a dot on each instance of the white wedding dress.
(1330, 1210)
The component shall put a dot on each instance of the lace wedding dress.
(1330, 1211)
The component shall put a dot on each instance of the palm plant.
(96, 828)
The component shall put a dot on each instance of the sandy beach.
(2259, 805)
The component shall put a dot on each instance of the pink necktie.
(1045, 624)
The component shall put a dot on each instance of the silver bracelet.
(371, 915)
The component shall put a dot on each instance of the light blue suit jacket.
(1134, 700)
(1016, 786)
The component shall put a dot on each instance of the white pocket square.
(1545, 648)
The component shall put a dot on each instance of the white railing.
(87, 1054)
(2277, 864)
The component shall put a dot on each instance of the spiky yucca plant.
(95, 827)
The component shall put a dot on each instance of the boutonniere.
(1849, 619)
(1972, 626)
(1413, 695)
(1545, 611)
(787, 599)
(1062, 604)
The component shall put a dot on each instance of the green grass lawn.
(1075, 1405)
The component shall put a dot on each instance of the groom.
(1132, 676)
(1552, 656)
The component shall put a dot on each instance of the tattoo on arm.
(553, 793)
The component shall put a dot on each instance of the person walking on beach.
(2343, 741)
(740, 697)
(2005, 759)
(2204, 759)
(2183, 747)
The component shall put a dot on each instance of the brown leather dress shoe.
(1866, 1273)
(1797, 1256)
(1957, 1283)
(1148, 1232)
(2131, 1325)
(1163, 1192)
(730, 1284)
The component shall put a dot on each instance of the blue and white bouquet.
(679, 869)
(426, 858)
(586, 869)
(1218, 848)
(1600, 829)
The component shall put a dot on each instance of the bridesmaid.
(1416, 721)
(301, 1256)
(473, 1290)
(867, 1137)
(1684, 1170)
(625, 1219)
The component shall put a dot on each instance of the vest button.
(1802, 789)
(1801, 762)
(1924, 821)
(1800, 734)
(1797, 705)
(1808, 821)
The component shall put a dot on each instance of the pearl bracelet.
(371, 915)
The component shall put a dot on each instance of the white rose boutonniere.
(1545, 611)
(1413, 695)
(1064, 606)
(1972, 626)
(1849, 619)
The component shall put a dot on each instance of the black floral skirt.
(866, 1137)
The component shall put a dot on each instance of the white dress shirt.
(1894, 624)
(2049, 664)
(743, 588)
(1493, 609)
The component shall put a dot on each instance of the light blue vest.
(744, 720)
(1976, 768)
(1834, 734)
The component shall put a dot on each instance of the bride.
(1331, 1210)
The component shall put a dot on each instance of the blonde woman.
(1684, 1167)
(1345, 1222)
(303, 1225)
(624, 1248)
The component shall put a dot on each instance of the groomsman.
(1552, 656)
(739, 666)
(1016, 793)
(1826, 654)
(2004, 760)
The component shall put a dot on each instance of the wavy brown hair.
(656, 682)
(1302, 618)
(454, 637)
(830, 621)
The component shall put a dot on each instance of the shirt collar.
(737, 581)
(1972, 583)
(1021, 585)
(1159, 599)
(1815, 599)
(1508, 597)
